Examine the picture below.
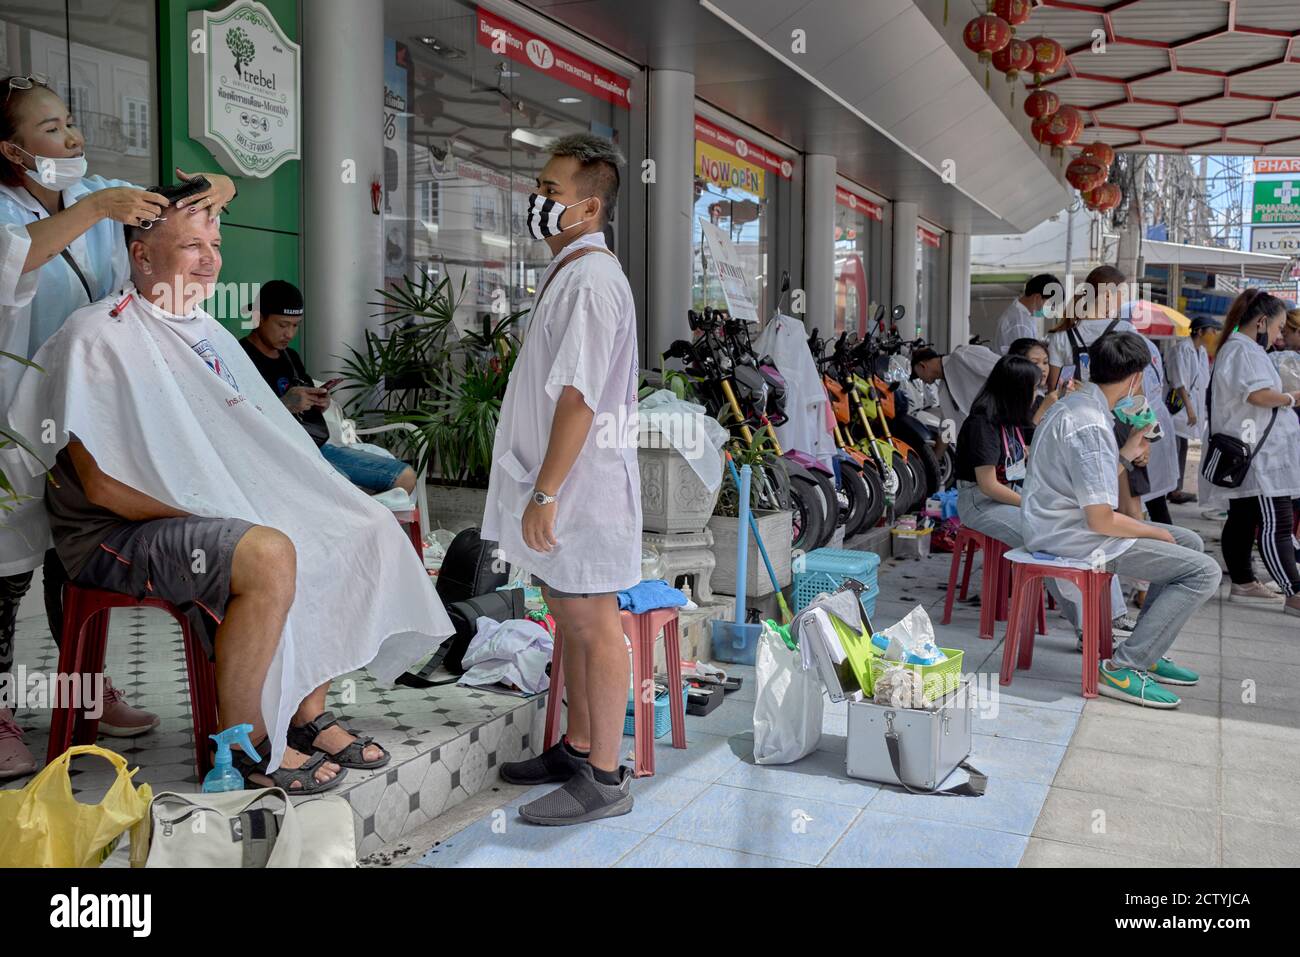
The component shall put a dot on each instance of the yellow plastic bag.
(43, 825)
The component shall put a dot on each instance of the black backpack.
(464, 615)
(467, 570)
(1078, 348)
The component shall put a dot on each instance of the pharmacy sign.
(1277, 201)
(245, 88)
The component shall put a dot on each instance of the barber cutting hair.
(564, 497)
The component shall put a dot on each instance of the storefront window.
(742, 189)
(466, 130)
(931, 282)
(861, 247)
(104, 69)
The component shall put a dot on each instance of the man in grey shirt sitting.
(1068, 509)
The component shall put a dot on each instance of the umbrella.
(1154, 320)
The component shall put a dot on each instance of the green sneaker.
(1168, 673)
(1135, 687)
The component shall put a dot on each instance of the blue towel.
(649, 595)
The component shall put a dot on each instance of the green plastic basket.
(936, 680)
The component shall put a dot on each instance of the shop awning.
(883, 85)
(1228, 262)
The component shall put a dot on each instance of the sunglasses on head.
(26, 83)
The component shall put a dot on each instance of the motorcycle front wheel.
(866, 496)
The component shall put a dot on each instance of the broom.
(786, 616)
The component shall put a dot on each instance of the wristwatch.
(541, 498)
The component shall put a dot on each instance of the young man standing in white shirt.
(1189, 374)
(1069, 509)
(564, 497)
(1020, 319)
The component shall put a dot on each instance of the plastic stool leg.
(673, 659)
(1033, 598)
(556, 692)
(63, 718)
(1042, 610)
(989, 592)
(972, 546)
(1091, 633)
(94, 646)
(1105, 646)
(1004, 585)
(952, 585)
(643, 710)
(1010, 645)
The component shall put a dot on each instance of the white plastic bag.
(788, 704)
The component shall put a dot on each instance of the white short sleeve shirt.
(582, 334)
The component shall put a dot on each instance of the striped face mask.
(544, 216)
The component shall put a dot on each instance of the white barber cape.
(139, 391)
(807, 427)
(581, 334)
(34, 305)
(965, 370)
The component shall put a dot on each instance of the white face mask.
(57, 172)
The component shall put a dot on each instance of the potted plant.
(775, 526)
(445, 383)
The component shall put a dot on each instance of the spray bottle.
(223, 776)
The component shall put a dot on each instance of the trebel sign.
(245, 88)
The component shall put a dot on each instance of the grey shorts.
(556, 593)
(184, 561)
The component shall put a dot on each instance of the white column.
(343, 97)
(905, 265)
(819, 241)
(958, 289)
(671, 201)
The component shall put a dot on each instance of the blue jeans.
(367, 471)
(1182, 577)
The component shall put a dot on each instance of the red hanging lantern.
(1014, 57)
(1067, 126)
(1049, 56)
(1042, 103)
(1039, 129)
(1015, 12)
(1085, 173)
(986, 35)
(1103, 153)
(1104, 198)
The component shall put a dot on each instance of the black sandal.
(282, 777)
(301, 738)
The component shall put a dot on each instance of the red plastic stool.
(969, 541)
(410, 522)
(85, 639)
(642, 630)
(1027, 594)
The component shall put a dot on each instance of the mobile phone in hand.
(329, 386)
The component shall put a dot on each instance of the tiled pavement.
(1106, 784)
(445, 741)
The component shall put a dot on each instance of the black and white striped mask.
(544, 216)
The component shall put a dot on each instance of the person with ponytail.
(1246, 400)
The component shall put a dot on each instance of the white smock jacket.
(806, 428)
(173, 407)
(34, 305)
(965, 370)
(581, 334)
(1016, 322)
(1240, 368)
(1189, 368)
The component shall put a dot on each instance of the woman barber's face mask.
(1134, 410)
(544, 216)
(57, 172)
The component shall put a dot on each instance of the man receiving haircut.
(564, 497)
(178, 474)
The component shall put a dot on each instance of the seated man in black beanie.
(279, 310)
